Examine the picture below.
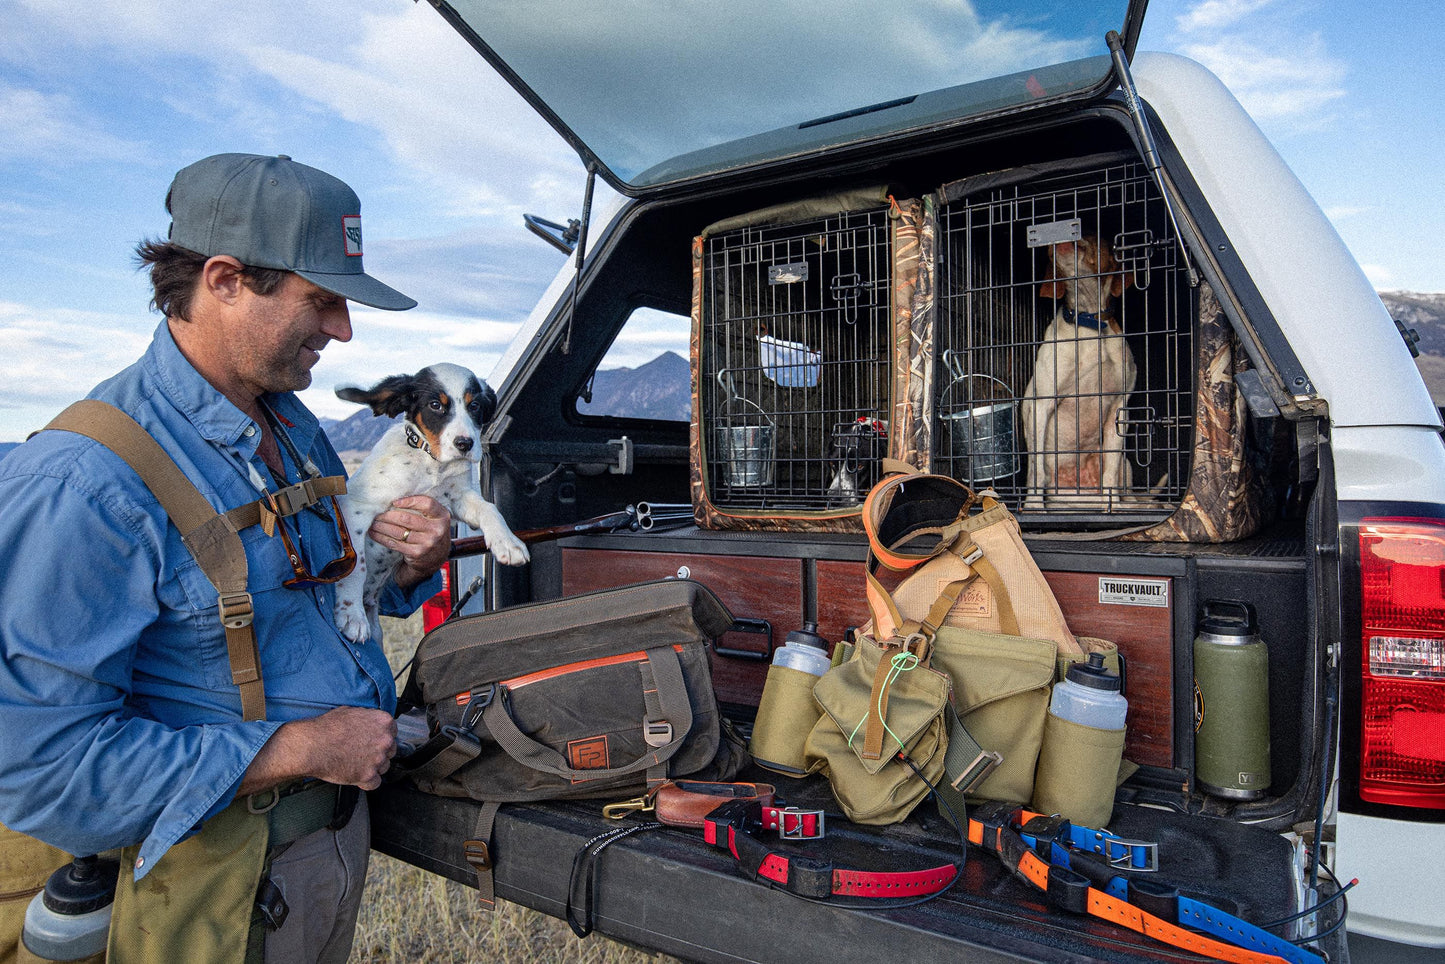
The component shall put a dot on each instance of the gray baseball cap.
(271, 212)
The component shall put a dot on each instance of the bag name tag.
(975, 601)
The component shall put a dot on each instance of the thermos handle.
(1240, 609)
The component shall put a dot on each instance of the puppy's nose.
(463, 444)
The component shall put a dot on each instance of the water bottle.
(70, 919)
(1090, 696)
(804, 649)
(787, 712)
(1078, 766)
(1231, 703)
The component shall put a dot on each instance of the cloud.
(53, 129)
(1381, 277)
(54, 357)
(1217, 14)
(1284, 76)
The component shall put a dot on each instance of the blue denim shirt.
(119, 722)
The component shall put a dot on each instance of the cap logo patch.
(351, 229)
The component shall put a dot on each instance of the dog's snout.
(463, 444)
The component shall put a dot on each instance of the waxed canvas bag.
(595, 695)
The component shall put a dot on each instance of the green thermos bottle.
(1231, 703)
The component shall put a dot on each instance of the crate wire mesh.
(1065, 375)
(794, 361)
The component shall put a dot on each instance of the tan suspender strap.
(211, 537)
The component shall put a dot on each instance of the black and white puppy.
(432, 451)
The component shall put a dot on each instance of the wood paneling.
(758, 587)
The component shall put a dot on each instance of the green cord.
(902, 663)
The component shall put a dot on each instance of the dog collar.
(415, 440)
(1087, 319)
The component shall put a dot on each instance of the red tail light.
(435, 610)
(1402, 693)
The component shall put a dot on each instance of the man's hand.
(420, 528)
(347, 746)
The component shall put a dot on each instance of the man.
(122, 725)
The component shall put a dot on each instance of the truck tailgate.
(669, 891)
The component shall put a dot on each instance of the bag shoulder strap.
(211, 537)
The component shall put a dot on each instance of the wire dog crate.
(1064, 376)
(793, 362)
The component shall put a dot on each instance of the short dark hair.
(175, 270)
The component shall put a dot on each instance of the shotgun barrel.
(625, 518)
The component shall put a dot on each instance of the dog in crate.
(433, 450)
(856, 450)
(1083, 375)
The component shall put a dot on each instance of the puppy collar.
(415, 440)
(1087, 319)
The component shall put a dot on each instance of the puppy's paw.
(351, 620)
(509, 550)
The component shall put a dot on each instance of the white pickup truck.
(854, 221)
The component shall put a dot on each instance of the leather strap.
(1153, 909)
(211, 537)
(686, 803)
(734, 827)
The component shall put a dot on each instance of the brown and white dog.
(1083, 375)
(432, 451)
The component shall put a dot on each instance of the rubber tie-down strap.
(210, 536)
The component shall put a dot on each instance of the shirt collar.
(214, 416)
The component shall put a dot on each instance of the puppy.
(856, 448)
(432, 451)
(1083, 375)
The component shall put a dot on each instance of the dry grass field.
(409, 916)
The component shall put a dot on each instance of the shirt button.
(140, 862)
(250, 431)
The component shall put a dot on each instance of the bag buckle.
(977, 771)
(478, 854)
(657, 733)
(477, 702)
(236, 609)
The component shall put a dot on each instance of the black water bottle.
(70, 919)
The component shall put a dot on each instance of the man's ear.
(221, 278)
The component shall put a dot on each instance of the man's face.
(275, 340)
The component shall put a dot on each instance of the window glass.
(645, 374)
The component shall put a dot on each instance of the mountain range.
(661, 388)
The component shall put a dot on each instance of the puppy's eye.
(435, 405)
(474, 405)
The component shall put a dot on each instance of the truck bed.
(667, 890)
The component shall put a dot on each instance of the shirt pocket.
(286, 621)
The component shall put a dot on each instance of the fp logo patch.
(351, 230)
(588, 754)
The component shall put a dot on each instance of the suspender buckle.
(236, 609)
(292, 499)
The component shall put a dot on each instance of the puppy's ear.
(391, 396)
(488, 398)
(1120, 281)
(1050, 288)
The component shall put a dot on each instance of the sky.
(101, 102)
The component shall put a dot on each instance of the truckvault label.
(1127, 591)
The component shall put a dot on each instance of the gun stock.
(626, 518)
